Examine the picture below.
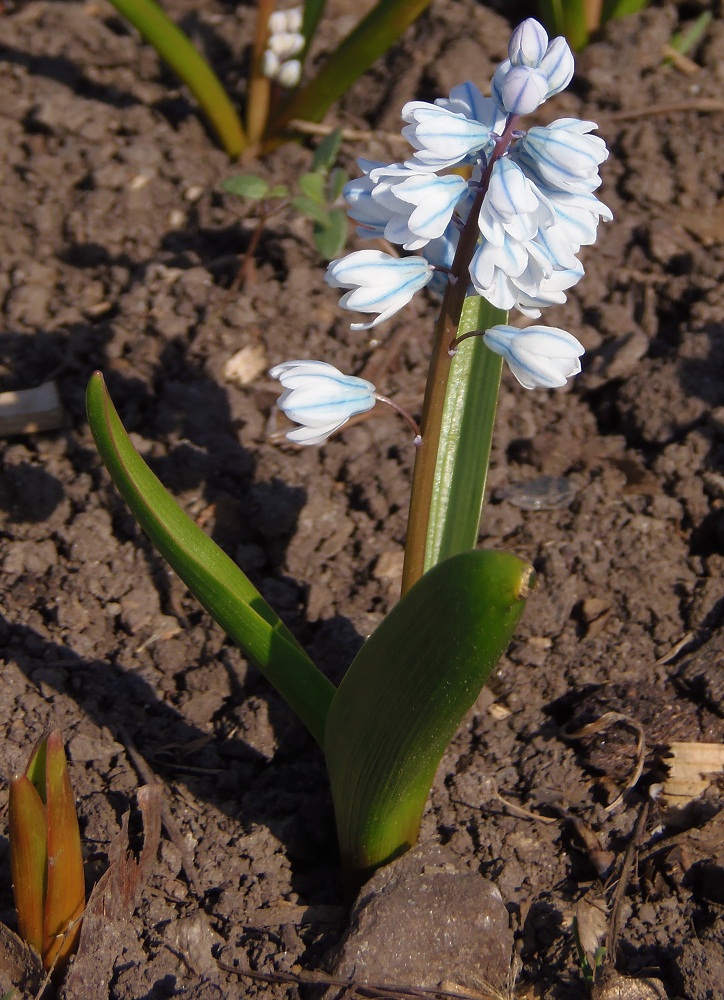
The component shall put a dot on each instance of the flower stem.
(403, 413)
(435, 468)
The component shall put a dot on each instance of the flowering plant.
(493, 218)
(274, 96)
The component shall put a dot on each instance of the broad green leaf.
(372, 37)
(325, 155)
(278, 191)
(246, 186)
(405, 694)
(330, 239)
(311, 208)
(465, 437)
(214, 579)
(174, 48)
(312, 185)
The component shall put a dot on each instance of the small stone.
(424, 920)
(246, 365)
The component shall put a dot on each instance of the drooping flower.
(441, 138)
(562, 155)
(539, 356)
(378, 282)
(422, 200)
(320, 398)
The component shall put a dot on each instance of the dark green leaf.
(311, 208)
(335, 183)
(620, 8)
(187, 62)
(330, 239)
(326, 152)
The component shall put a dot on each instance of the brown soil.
(118, 248)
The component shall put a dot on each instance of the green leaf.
(567, 17)
(311, 208)
(278, 191)
(331, 238)
(685, 41)
(465, 437)
(405, 695)
(214, 579)
(174, 48)
(620, 8)
(312, 185)
(327, 151)
(336, 181)
(372, 37)
(246, 186)
(313, 11)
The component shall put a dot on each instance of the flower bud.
(528, 44)
(540, 357)
(378, 282)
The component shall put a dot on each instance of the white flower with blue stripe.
(320, 398)
(378, 282)
(540, 357)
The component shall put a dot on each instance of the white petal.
(557, 65)
(528, 43)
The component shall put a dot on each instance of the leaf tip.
(528, 583)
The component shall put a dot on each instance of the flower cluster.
(538, 209)
(526, 197)
(285, 42)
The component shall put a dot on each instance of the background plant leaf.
(331, 237)
(28, 858)
(246, 186)
(65, 890)
(312, 185)
(174, 47)
(372, 37)
(312, 208)
(336, 181)
(327, 151)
